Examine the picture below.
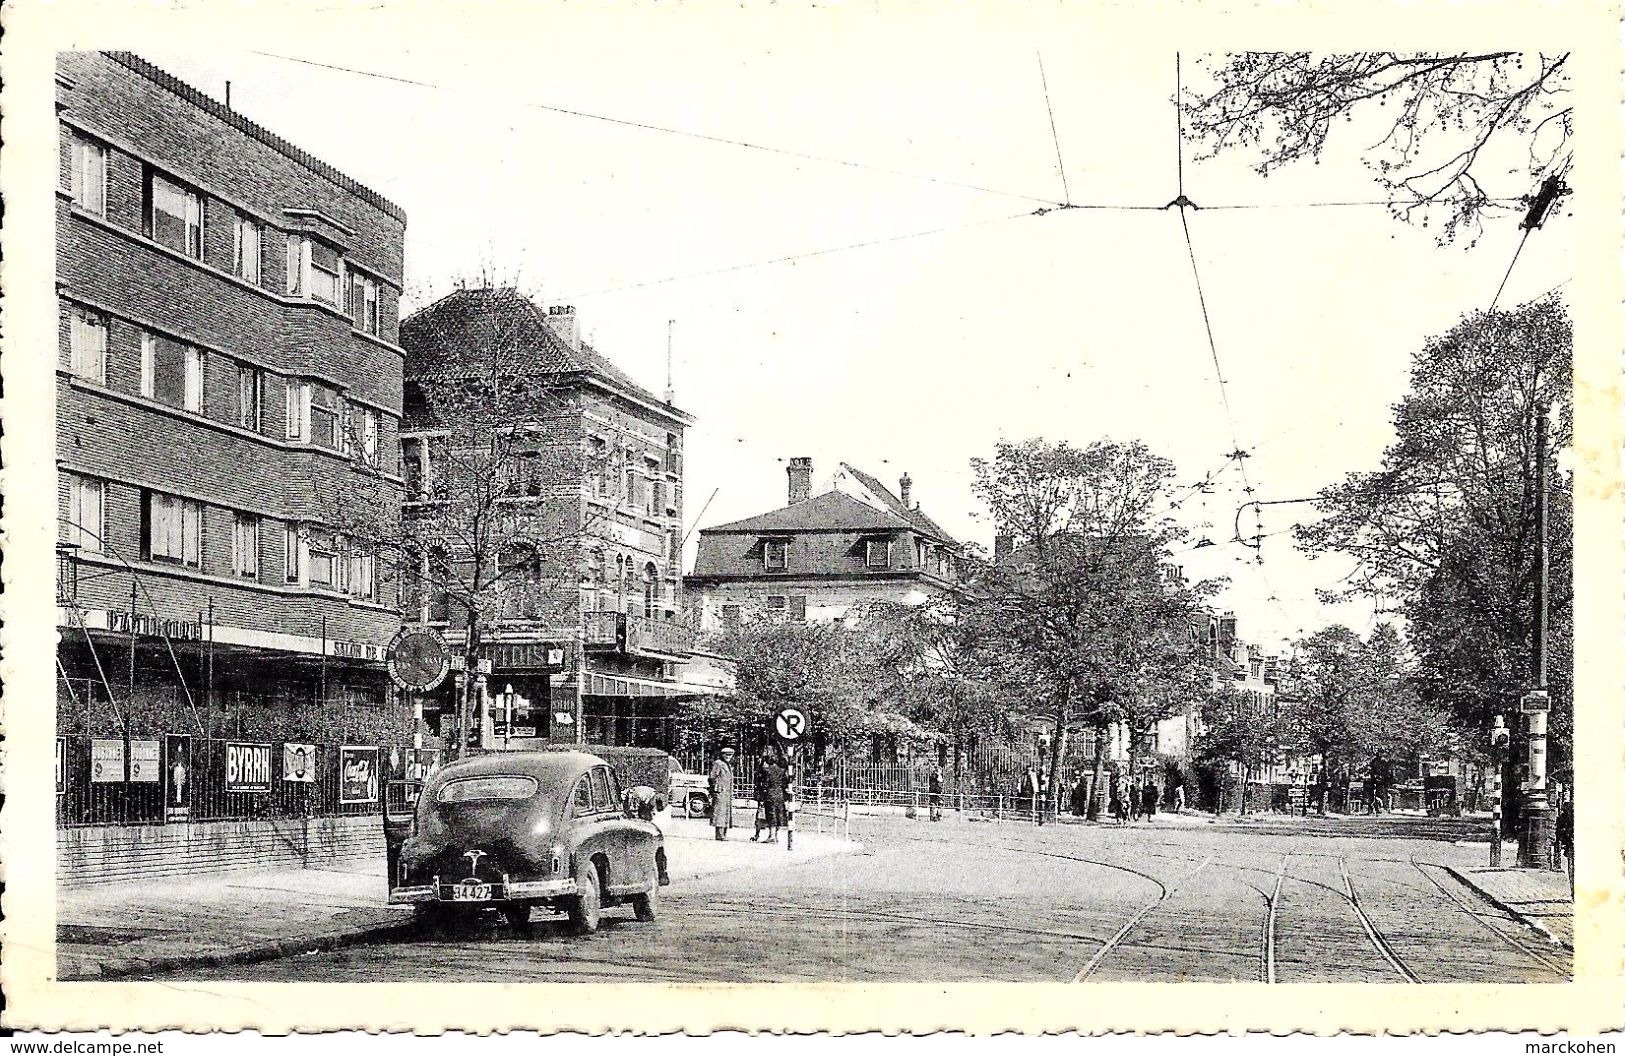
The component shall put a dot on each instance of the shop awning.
(601, 685)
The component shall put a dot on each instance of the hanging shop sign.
(358, 774)
(144, 762)
(106, 761)
(526, 656)
(248, 767)
(417, 659)
(299, 763)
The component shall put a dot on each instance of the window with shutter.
(86, 524)
(173, 529)
(298, 250)
(245, 545)
(248, 239)
(87, 345)
(87, 176)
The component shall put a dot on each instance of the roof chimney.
(905, 487)
(800, 473)
(561, 319)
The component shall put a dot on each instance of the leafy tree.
(1350, 700)
(1466, 132)
(1082, 600)
(1240, 733)
(1447, 524)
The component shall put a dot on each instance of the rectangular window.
(412, 470)
(87, 177)
(87, 501)
(171, 372)
(597, 465)
(250, 396)
(922, 554)
(298, 254)
(370, 424)
(775, 606)
(174, 215)
(173, 529)
(246, 258)
(361, 302)
(296, 414)
(775, 554)
(878, 553)
(342, 563)
(798, 608)
(325, 428)
(245, 545)
(320, 568)
(87, 345)
(326, 273)
(292, 567)
(633, 481)
(361, 575)
(674, 456)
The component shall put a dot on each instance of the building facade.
(820, 555)
(591, 642)
(228, 376)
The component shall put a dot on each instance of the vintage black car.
(514, 830)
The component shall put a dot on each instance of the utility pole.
(1535, 833)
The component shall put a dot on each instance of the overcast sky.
(914, 354)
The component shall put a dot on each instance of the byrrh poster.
(358, 774)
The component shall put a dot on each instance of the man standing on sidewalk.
(722, 793)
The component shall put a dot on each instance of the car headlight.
(542, 827)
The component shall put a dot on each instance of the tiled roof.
(831, 511)
(915, 518)
(438, 341)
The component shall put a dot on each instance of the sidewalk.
(1538, 897)
(145, 927)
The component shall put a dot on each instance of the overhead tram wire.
(701, 136)
(1060, 166)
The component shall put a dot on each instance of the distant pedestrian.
(770, 781)
(721, 781)
(935, 792)
(1135, 803)
(1080, 797)
(1152, 794)
(1563, 835)
(1179, 798)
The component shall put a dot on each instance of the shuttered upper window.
(87, 174)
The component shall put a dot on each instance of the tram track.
(1510, 940)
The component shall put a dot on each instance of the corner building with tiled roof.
(820, 555)
(227, 376)
(603, 649)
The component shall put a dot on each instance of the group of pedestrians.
(772, 786)
(1136, 799)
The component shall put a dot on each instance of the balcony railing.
(637, 634)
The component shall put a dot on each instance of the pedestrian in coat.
(722, 793)
(935, 792)
(1153, 795)
(1135, 800)
(770, 783)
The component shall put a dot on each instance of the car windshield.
(471, 789)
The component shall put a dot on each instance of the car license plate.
(471, 891)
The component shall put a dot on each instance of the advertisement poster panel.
(299, 763)
(144, 765)
(358, 774)
(248, 767)
(177, 776)
(106, 761)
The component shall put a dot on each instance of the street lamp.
(507, 713)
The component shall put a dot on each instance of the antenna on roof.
(669, 393)
(228, 95)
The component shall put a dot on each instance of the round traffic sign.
(791, 724)
(417, 659)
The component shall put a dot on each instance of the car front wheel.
(646, 907)
(586, 906)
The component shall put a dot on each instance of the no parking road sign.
(791, 725)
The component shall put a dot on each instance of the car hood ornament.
(474, 857)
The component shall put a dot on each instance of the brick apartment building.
(819, 555)
(228, 372)
(592, 642)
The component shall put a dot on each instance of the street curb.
(1506, 908)
(261, 951)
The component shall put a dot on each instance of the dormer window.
(877, 553)
(775, 554)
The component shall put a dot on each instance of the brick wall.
(108, 854)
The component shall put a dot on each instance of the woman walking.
(770, 781)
